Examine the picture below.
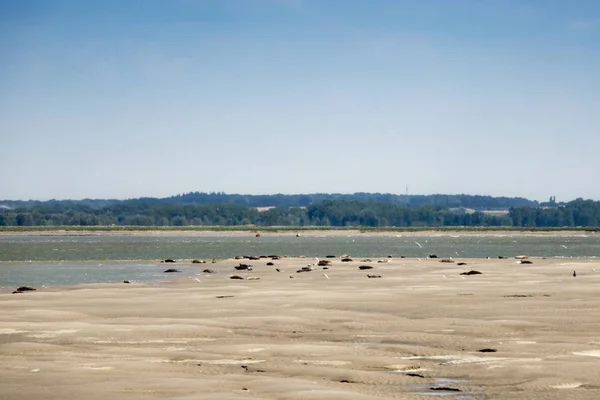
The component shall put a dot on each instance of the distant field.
(494, 212)
(261, 209)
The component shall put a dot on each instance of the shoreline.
(274, 231)
(222, 268)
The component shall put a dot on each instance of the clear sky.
(130, 98)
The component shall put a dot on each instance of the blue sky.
(129, 98)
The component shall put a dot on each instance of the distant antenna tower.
(407, 190)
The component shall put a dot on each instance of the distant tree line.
(305, 200)
(299, 200)
(340, 213)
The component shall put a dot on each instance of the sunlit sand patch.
(10, 331)
(322, 362)
(406, 369)
(456, 359)
(423, 287)
(473, 360)
(371, 336)
(155, 341)
(221, 362)
(255, 350)
(96, 368)
(566, 385)
(51, 334)
(589, 353)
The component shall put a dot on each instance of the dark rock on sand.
(433, 256)
(126, 281)
(322, 263)
(235, 277)
(373, 276)
(487, 350)
(25, 289)
(525, 262)
(198, 262)
(330, 256)
(471, 272)
(347, 259)
(446, 260)
(414, 375)
(270, 263)
(444, 388)
(169, 260)
(208, 271)
(461, 263)
(170, 270)
(244, 267)
(365, 267)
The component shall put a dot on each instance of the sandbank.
(323, 334)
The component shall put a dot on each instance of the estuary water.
(76, 259)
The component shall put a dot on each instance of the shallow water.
(66, 260)
(115, 247)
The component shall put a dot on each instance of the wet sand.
(322, 334)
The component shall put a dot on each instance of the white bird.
(418, 244)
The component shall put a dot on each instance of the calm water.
(64, 260)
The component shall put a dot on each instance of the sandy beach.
(420, 330)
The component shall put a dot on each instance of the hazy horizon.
(116, 100)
